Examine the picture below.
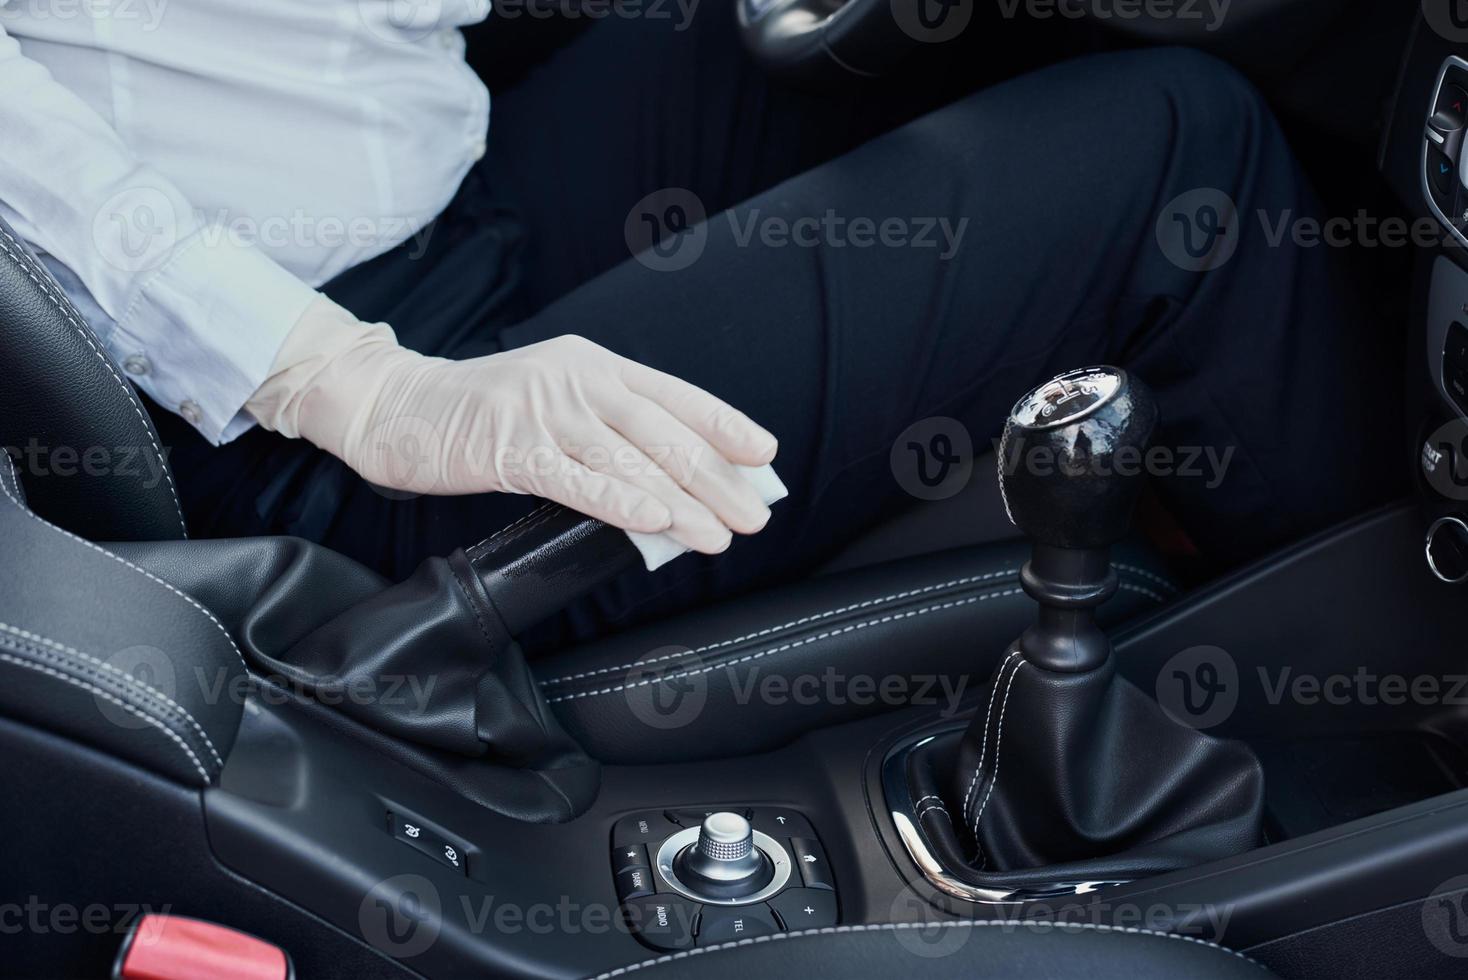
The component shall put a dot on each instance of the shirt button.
(191, 413)
(138, 365)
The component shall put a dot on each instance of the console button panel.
(659, 915)
(441, 848)
(1442, 149)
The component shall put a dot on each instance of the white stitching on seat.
(98, 692)
(118, 558)
(803, 621)
(811, 639)
(893, 617)
(10, 469)
(806, 620)
(64, 308)
(903, 926)
(537, 513)
(1144, 573)
(984, 744)
(124, 675)
(1128, 587)
(998, 743)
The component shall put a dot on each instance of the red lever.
(170, 947)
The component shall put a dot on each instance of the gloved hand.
(564, 419)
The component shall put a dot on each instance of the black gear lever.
(1070, 469)
(1067, 771)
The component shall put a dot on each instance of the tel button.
(725, 924)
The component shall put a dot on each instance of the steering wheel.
(821, 41)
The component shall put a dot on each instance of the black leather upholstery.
(65, 406)
(751, 674)
(423, 670)
(96, 648)
(1112, 786)
(959, 951)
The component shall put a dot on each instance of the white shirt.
(193, 169)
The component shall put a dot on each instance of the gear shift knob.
(1071, 459)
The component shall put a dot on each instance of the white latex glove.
(564, 419)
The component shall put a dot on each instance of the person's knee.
(1201, 90)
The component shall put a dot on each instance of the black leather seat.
(960, 951)
(929, 621)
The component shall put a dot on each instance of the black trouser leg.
(1020, 240)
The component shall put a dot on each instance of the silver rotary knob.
(724, 860)
(725, 844)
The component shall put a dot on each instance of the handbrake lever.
(536, 566)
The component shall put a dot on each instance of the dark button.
(634, 883)
(664, 921)
(626, 856)
(779, 822)
(1455, 349)
(814, 869)
(805, 908)
(690, 817)
(1451, 109)
(721, 924)
(412, 833)
(643, 828)
(1441, 173)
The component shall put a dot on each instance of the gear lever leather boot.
(1067, 766)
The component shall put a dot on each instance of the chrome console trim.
(663, 864)
(1453, 61)
(910, 829)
